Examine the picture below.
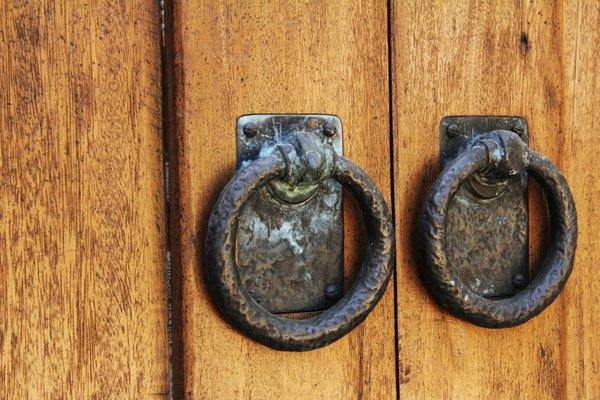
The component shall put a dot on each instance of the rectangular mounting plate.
(487, 225)
(288, 254)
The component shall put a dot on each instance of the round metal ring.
(447, 287)
(233, 299)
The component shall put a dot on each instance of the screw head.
(519, 128)
(519, 280)
(329, 129)
(453, 131)
(250, 129)
(332, 292)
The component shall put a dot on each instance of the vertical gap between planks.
(390, 55)
(172, 211)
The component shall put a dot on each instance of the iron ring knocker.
(288, 160)
(500, 153)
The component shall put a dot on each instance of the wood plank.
(495, 58)
(82, 293)
(235, 58)
(581, 41)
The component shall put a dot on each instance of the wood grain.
(580, 344)
(235, 58)
(539, 60)
(82, 294)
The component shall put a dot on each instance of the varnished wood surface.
(82, 294)
(532, 58)
(236, 58)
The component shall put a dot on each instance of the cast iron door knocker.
(291, 157)
(485, 175)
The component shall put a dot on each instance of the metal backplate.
(290, 253)
(487, 225)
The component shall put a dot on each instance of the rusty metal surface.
(290, 237)
(288, 161)
(498, 155)
(487, 223)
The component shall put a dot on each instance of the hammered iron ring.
(232, 297)
(501, 153)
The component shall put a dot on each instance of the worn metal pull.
(292, 158)
(494, 158)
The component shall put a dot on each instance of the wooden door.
(390, 71)
(103, 293)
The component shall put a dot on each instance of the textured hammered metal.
(503, 154)
(232, 297)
